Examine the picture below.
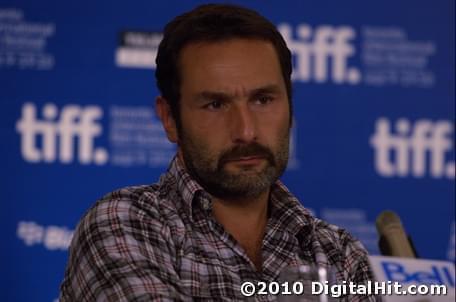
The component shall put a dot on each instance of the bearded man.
(219, 216)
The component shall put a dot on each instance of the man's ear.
(163, 111)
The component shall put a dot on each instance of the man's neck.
(246, 221)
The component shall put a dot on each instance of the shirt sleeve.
(121, 252)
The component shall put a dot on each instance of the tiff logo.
(322, 54)
(58, 137)
(414, 149)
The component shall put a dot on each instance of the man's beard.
(209, 169)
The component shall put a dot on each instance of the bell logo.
(322, 53)
(58, 137)
(415, 149)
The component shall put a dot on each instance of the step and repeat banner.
(374, 99)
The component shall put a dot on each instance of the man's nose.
(243, 124)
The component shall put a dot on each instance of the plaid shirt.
(161, 242)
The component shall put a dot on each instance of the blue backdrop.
(374, 86)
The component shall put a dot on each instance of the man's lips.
(246, 159)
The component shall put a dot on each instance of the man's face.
(235, 116)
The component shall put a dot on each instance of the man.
(219, 216)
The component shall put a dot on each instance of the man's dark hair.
(213, 23)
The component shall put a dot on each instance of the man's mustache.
(250, 150)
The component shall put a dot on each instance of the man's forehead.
(208, 46)
(234, 56)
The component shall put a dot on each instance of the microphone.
(393, 239)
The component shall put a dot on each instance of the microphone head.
(387, 219)
(393, 238)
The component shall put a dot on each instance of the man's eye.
(214, 105)
(263, 99)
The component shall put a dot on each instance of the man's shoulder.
(132, 194)
(326, 237)
(133, 205)
(140, 197)
(337, 243)
(116, 235)
(138, 215)
(333, 234)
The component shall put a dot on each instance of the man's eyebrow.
(272, 89)
(213, 95)
(223, 96)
